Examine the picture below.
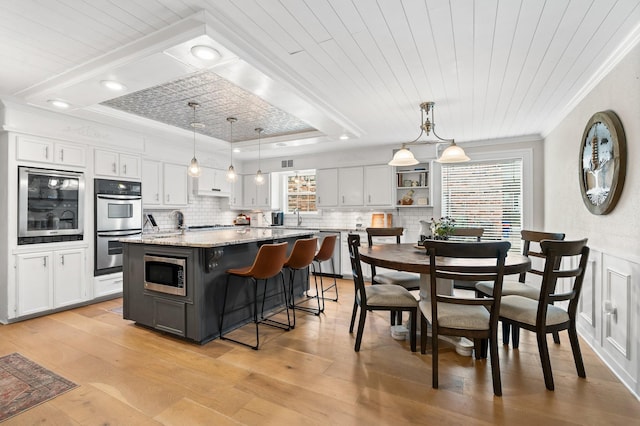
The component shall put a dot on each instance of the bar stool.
(267, 264)
(324, 254)
(300, 258)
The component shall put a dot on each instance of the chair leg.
(434, 357)
(544, 359)
(353, 315)
(224, 306)
(412, 333)
(506, 327)
(423, 333)
(495, 364)
(575, 348)
(515, 336)
(363, 317)
(291, 302)
(393, 317)
(556, 337)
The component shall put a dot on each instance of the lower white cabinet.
(105, 285)
(50, 279)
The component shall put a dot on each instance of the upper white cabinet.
(327, 188)
(163, 184)
(256, 196)
(378, 186)
(413, 186)
(211, 183)
(350, 186)
(110, 163)
(48, 151)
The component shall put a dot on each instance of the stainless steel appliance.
(165, 274)
(50, 205)
(277, 218)
(118, 214)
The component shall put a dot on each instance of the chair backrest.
(384, 232)
(353, 241)
(554, 269)
(440, 266)
(468, 232)
(535, 250)
(327, 247)
(302, 253)
(268, 261)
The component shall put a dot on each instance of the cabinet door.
(129, 166)
(106, 163)
(69, 154)
(33, 149)
(263, 193)
(68, 278)
(34, 273)
(350, 183)
(378, 186)
(249, 191)
(235, 198)
(327, 187)
(151, 183)
(175, 185)
(222, 185)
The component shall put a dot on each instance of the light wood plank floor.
(130, 375)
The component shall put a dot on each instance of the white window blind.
(485, 194)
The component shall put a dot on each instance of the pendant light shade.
(403, 157)
(259, 178)
(194, 168)
(453, 154)
(231, 171)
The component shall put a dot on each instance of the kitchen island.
(192, 311)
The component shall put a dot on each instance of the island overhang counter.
(193, 311)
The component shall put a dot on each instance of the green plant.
(443, 227)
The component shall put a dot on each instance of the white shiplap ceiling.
(496, 69)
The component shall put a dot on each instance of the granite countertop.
(218, 237)
(317, 228)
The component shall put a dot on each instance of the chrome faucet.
(297, 211)
(180, 219)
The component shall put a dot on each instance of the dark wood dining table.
(413, 258)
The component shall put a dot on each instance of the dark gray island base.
(196, 315)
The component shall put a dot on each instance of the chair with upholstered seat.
(473, 318)
(389, 297)
(325, 254)
(300, 258)
(542, 316)
(267, 264)
(524, 286)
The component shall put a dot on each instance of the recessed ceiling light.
(236, 149)
(206, 53)
(344, 137)
(113, 85)
(58, 103)
(281, 144)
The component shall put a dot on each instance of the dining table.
(411, 257)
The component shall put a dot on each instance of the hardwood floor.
(311, 375)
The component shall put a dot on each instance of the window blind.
(485, 194)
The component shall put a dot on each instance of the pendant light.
(194, 168)
(452, 154)
(231, 171)
(259, 178)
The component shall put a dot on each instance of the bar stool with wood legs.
(300, 258)
(267, 264)
(325, 253)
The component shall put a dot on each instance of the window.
(301, 192)
(486, 194)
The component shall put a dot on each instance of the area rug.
(25, 384)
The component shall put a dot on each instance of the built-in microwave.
(165, 274)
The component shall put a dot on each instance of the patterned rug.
(25, 384)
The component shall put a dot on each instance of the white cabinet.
(256, 196)
(110, 163)
(163, 184)
(211, 183)
(378, 186)
(51, 279)
(105, 285)
(175, 185)
(236, 197)
(350, 186)
(44, 150)
(413, 186)
(327, 188)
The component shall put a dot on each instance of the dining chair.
(408, 280)
(466, 234)
(526, 285)
(473, 318)
(389, 297)
(542, 316)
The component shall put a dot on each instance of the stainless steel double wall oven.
(118, 214)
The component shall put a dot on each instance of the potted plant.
(442, 228)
